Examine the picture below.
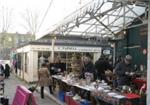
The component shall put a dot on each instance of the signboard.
(77, 49)
(23, 97)
(63, 48)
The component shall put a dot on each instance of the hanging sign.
(23, 96)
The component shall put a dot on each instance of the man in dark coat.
(101, 65)
(88, 66)
(123, 70)
(7, 71)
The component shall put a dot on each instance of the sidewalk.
(10, 89)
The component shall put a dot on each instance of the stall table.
(109, 97)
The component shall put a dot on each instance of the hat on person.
(128, 57)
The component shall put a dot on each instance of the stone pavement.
(10, 89)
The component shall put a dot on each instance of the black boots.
(42, 91)
(50, 90)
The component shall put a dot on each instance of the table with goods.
(75, 91)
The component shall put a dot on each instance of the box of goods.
(68, 96)
(74, 102)
(85, 102)
(61, 96)
(67, 99)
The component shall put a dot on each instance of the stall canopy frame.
(102, 19)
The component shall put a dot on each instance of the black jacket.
(88, 68)
(120, 70)
(101, 66)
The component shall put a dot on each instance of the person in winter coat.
(1, 70)
(102, 65)
(44, 79)
(123, 70)
(88, 67)
(2, 75)
(7, 71)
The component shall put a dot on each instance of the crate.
(61, 96)
(85, 102)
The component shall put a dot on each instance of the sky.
(18, 11)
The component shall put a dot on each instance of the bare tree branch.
(6, 20)
(32, 21)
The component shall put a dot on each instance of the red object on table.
(132, 96)
(73, 102)
(132, 99)
(67, 99)
(139, 82)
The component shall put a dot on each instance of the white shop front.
(28, 57)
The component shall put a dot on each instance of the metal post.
(114, 53)
(148, 60)
(53, 48)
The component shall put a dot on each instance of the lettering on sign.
(69, 49)
(77, 49)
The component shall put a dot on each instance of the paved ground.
(10, 89)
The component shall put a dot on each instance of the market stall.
(30, 56)
(100, 91)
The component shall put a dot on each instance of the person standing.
(7, 71)
(44, 79)
(1, 70)
(41, 60)
(2, 75)
(102, 65)
(123, 70)
(88, 67)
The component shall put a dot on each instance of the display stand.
(23, 97)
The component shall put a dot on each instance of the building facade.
(10, 41)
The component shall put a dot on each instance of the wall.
(135, 44)
(9, 41)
